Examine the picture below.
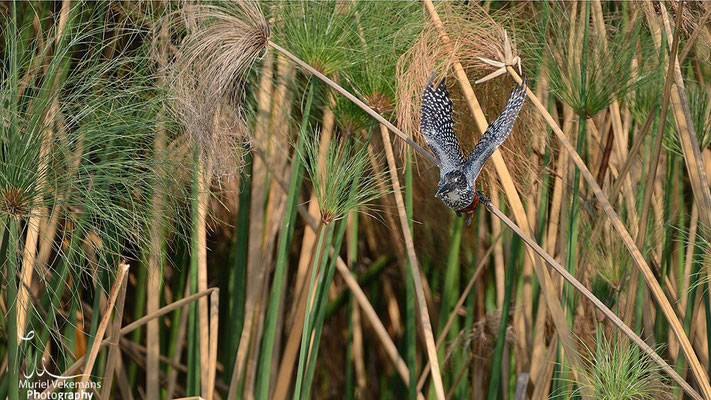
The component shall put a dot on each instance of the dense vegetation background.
(232, 200)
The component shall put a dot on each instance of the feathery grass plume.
(321, 33)
(608, 256)
(618, 372)
(105, 118)
(221, 43)
(345, 167)
(381, 41)
(77, 148)
(477, 38)
(610, 262)
(609, 74)
(699, 104)
(414, 69)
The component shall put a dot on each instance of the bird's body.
(457, 186)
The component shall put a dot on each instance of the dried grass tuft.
(209, 70)
(690, 15)
(476, 37)
(607, 257)
(481, 339)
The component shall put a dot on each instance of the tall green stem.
(323, 289)
(495, 381)
(282, 255)
(236, 276)
(571, 251)
(193, 386)
(320, 309)
(696, 276)
(306, 332)
(12, 232)
(12, 263)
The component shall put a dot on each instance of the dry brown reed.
(119, 286)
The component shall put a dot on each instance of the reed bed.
(233, 200)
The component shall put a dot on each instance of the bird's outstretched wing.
(436, 126)
(496, 133)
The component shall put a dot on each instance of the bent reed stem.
(654, 286)
(619, 226)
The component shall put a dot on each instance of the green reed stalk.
(138, 312)
(52, 298)
(282, 254)
(571, 252)
(320, 308)
(661, 327)
(541, 223)
(571, 259)
(349, 391)
(495, 380)
(471, 255)
(695, 282)
(70, 331)
(237, 274)
(193, 365)
(13, 366)
(352, 259)
(707, 307)
(306, 332)
(680, 224)
(450, 289)
(172, 344)
(3, 386)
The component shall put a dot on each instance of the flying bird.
(457, 185)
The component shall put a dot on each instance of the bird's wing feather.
(436, 125)
(496, 133)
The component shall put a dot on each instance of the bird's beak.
(440, 190)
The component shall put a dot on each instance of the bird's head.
(453, 188)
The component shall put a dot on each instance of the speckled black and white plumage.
(436, 125)
(458, 175)
(496, 133)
